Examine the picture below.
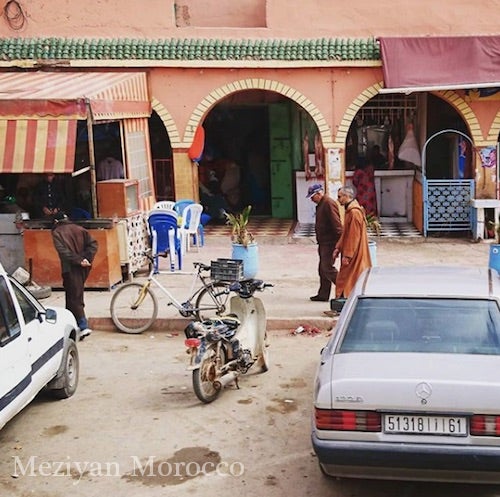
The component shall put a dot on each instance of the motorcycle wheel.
(205, 375)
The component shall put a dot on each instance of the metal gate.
(447, 204)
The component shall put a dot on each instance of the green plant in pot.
(239, 226)
(374, 226)
(244, 246)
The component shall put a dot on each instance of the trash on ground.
(306, 329)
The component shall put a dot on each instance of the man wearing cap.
(76, 249)
(328, 227)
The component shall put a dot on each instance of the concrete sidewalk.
(292, 267)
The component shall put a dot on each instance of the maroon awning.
(444, 62)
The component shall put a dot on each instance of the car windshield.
(453, 326)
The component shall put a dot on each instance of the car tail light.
(482, 425)
(334, 419)
(191, 343)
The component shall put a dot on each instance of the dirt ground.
(135, 427)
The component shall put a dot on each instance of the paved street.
(135, 418)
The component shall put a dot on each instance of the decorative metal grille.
(447, 205)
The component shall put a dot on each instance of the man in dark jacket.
(328, 228)
(76, 249)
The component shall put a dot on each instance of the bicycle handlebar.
(149, 254)
(202, 266)
(246, 288)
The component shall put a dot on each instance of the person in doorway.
(76, 249)
(363, 180)
(377, 159)
(328, 227)
(353, 244)
(109, 168)
(49, 197)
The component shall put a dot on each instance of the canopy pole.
(90, 141)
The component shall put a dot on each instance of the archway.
(260, 145)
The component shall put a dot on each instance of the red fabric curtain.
(415, 62)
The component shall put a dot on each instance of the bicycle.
(134, 306)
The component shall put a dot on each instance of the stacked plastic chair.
(165, 237)
(164, 204)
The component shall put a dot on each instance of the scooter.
(221, 350)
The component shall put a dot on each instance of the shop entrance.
(253, 153)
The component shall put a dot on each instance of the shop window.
(220, 13)
(138, 162)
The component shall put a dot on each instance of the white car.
(37, 349)
(408, 387)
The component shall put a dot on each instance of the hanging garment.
(408, 151)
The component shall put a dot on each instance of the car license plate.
(425, 425)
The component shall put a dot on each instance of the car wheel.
(39, 292)
(70, 374)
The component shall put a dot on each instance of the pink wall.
(181, 90)
(284, 18)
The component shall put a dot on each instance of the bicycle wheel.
(212, 301)
(133, 308)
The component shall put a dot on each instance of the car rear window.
(454, 326)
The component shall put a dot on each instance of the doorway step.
(388, 229)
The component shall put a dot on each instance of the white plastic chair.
(191, 222)
(164, 204)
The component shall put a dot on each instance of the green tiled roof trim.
(324, 49)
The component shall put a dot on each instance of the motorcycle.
(220, 350)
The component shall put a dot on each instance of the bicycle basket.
(226, 269)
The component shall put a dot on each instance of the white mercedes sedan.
(408, 386)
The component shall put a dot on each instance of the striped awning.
(37, 146)
(41, 95)
(39, 113)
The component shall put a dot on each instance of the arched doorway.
(447, 171)
(161, 153)
(260, 149)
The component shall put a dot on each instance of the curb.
(178, 324)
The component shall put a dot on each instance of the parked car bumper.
(380, 460)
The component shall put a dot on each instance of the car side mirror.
(50, 315)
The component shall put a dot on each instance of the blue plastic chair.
(165, 238)
(79, 213)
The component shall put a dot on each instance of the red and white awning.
(39, 113)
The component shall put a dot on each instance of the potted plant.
(374, 226)
(244, 246)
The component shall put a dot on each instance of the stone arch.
(217, 94)
(167, 120)
(351, 112)
(463, 108)
(494, 130)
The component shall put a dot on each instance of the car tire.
(39, 292)
(70, 374)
